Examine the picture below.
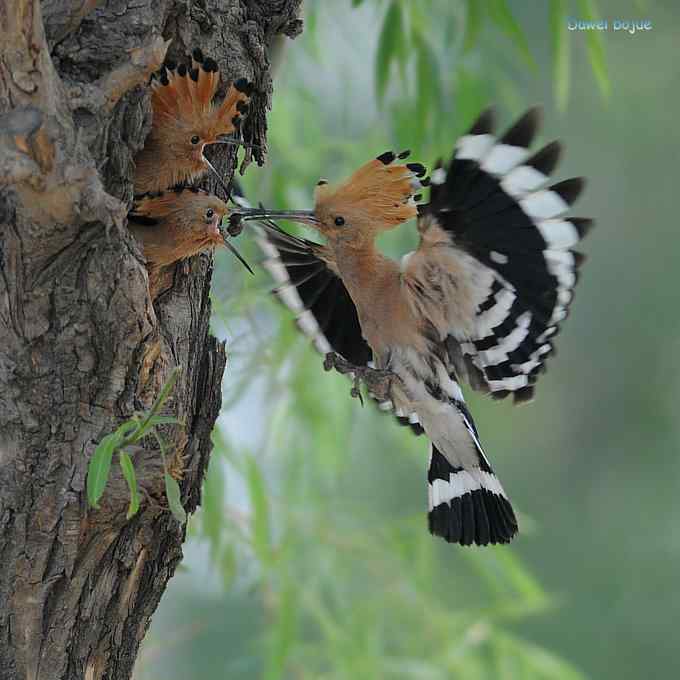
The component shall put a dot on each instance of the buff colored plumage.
(176, 224)
(185, 121)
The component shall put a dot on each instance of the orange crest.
(184, 95)
(379, 195)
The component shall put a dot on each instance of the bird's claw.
(355, 392)
(377, 381)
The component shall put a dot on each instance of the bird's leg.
(377, 381)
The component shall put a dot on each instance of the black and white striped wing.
(324, 311)
(493, 203)
(309, 287)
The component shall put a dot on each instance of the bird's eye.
(209, 213)
(339, 221)
(195, 139)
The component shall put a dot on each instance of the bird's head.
(180, 222)
(380, 195)
(184, 115)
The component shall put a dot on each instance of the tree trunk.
(82, 346)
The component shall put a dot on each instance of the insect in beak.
(222, 229)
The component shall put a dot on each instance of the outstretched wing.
(495, 270)
(310, 287)
(308, 284)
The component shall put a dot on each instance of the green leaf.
(99, 467)
(595, 47)
(228, 566)
(389, 43)
(212, 503)
(174, 498)
(162, 397)
(501, 15)
(356, 3)
(427, 70)
(472, 94)
(161, 448)
(260, 512)
(473, 24)
(165, 390)
(539, 661)
(164, 420)
(560, 51)
(283, 634)
(124, 430)
(131, 478)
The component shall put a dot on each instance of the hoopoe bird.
(480, 300)
(178, 223)
(185, 121)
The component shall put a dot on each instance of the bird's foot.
(378, 381)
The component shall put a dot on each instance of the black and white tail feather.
(467, 506)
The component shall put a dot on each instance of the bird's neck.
(373, 282)
(157, 168)
(363, 268)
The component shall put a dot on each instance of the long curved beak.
(303, 216)
(231, 142)
(238, 256)
(220, 181)
(221, 228)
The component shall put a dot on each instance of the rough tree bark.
(82, 347)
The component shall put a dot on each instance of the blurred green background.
(310, 557)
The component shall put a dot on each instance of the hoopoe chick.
(481, 299)
(185, 121)
(176, 224)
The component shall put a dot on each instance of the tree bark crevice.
(82, 345)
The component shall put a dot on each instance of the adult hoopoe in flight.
(481, 299)
(178, 223)
(185, 121)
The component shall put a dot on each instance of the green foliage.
(502, 17)
(561, 46)
(99, 468)
(409, 31)
(131, 478)
(474, 10)
(595, 45)
(172, 491)
(173, 494)
(390, 47)
(260, 535)
(123, 442)
(312, 523)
